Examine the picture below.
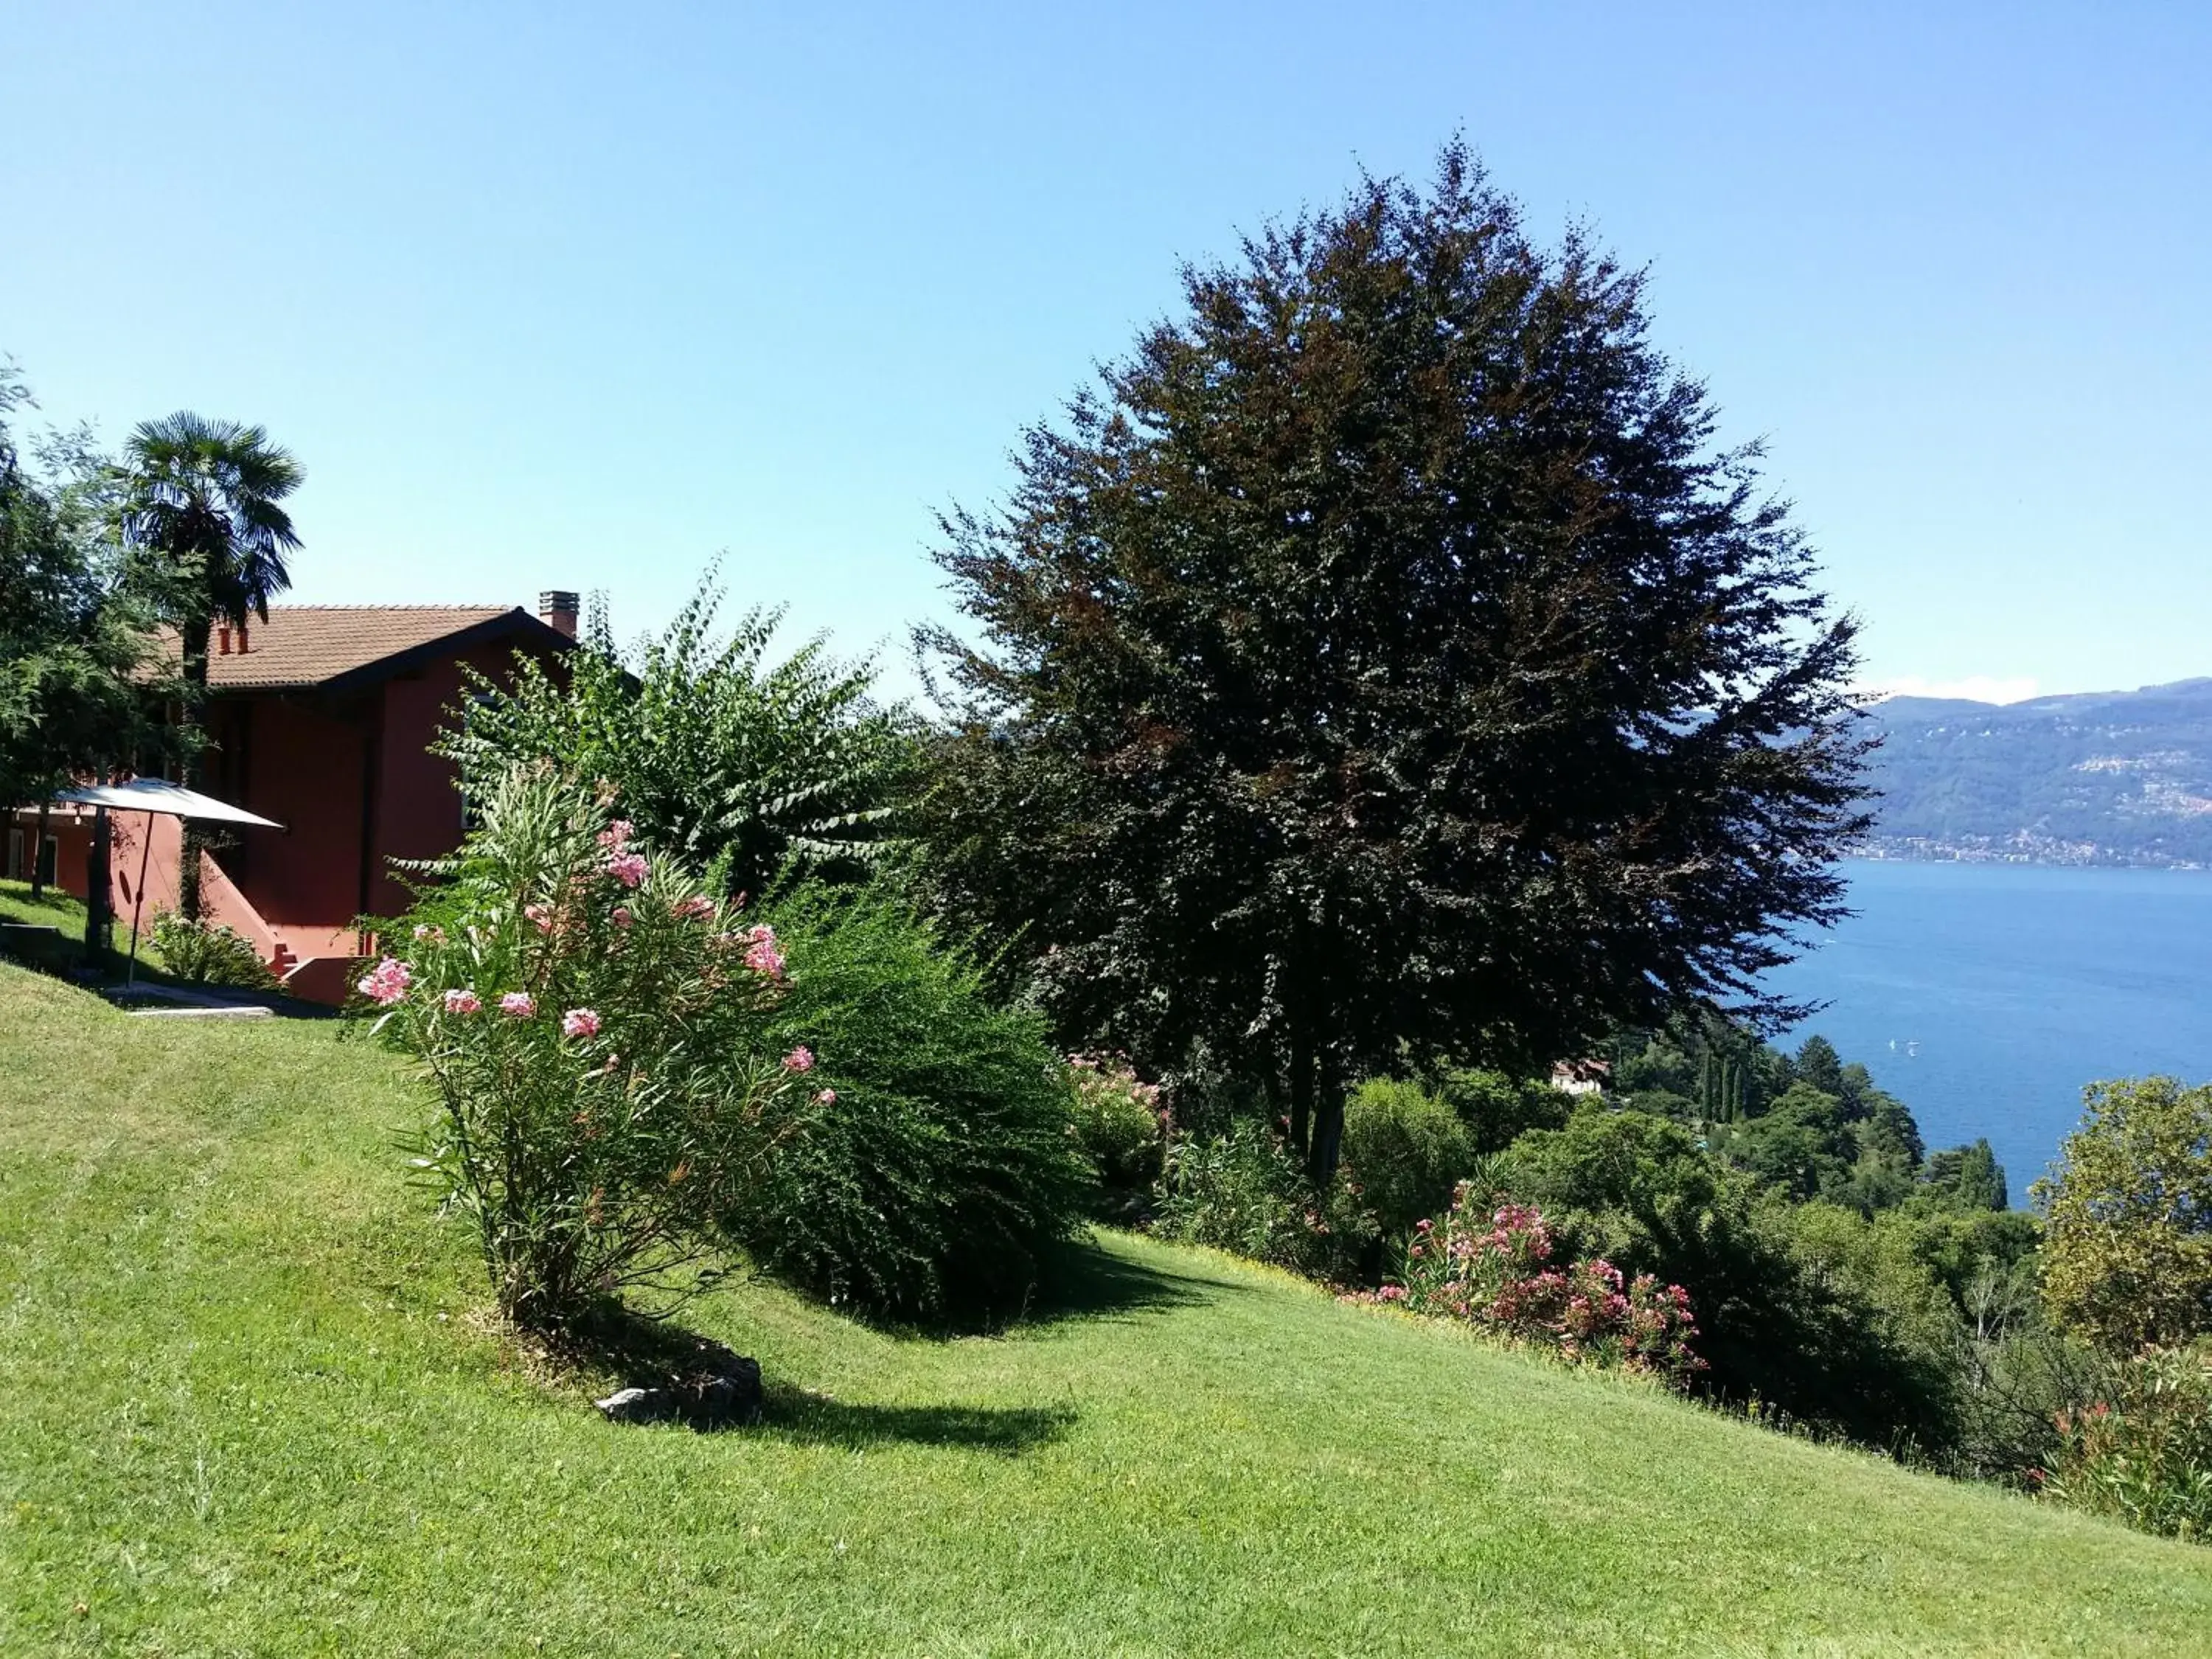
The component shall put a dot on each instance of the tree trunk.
(96, 893)
(194, 636)
(1302, 1082)
(1328, 1118)
(39, 854)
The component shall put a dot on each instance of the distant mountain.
(2102, 777)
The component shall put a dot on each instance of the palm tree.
(202, 513)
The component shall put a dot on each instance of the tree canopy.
(71, 641)
(1385, 657)
(733, 758)
(2127, 1258)
(204, 516)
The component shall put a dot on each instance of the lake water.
(2018, 985)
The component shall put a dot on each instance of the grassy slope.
(250, 1409)
(55, 908)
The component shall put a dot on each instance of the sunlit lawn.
(251, 1407)
(53, 909)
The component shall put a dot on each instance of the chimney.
(222, 639)
(242, 639)
(557, 611)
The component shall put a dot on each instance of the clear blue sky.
(568, 295)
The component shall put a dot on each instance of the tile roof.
(304, 645)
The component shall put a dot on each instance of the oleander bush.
(939, 1173)
(2143, 1455)
(208, 953)
(614, 1074)
(1495, 1269)
(1244, 1191)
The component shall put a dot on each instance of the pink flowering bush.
(386, 982)
(2143, 1455)
(632, 1090)
(1495, 1268)
(1115, 1120)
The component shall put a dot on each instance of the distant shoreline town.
(2019, 849)
(2117, 780)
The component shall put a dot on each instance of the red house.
(321, 719)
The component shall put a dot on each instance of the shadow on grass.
(1079, 1280)
(1086, 1281)
(816, 1420)
(627, 1350)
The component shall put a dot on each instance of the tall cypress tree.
(1384, 657)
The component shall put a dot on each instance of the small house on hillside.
(1582, 1077)
(322, 719)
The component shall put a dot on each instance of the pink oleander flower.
(801, 1059)
(386, 982)
(621, 917)
(518, 1005)
(628, 868)
(579, 1023)
(696, 905)
(827, 1097)
(616, 836)
(538, 917)
(464, 1001)
(429, 935)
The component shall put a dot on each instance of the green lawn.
(251, 1406)
(54, 908)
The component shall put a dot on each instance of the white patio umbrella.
(151, 796)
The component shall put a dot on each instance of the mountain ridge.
(2085, 777)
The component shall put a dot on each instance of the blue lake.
(2006, 987)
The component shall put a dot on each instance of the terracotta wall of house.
(72, 839)
(419, 806)
(142, 872)
(303, 761)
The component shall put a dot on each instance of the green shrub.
(1498, 1109)
(208, 955)
(1116, 1127)
(612, 1076)
(1407, 1148)
(2144, 1455)
(938, 1170)
(1806, 1308)
(1246, 1191)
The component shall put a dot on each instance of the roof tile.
(303, 645)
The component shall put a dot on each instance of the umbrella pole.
(138, 900)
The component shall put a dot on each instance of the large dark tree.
(1385, 659)
(204, 514)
